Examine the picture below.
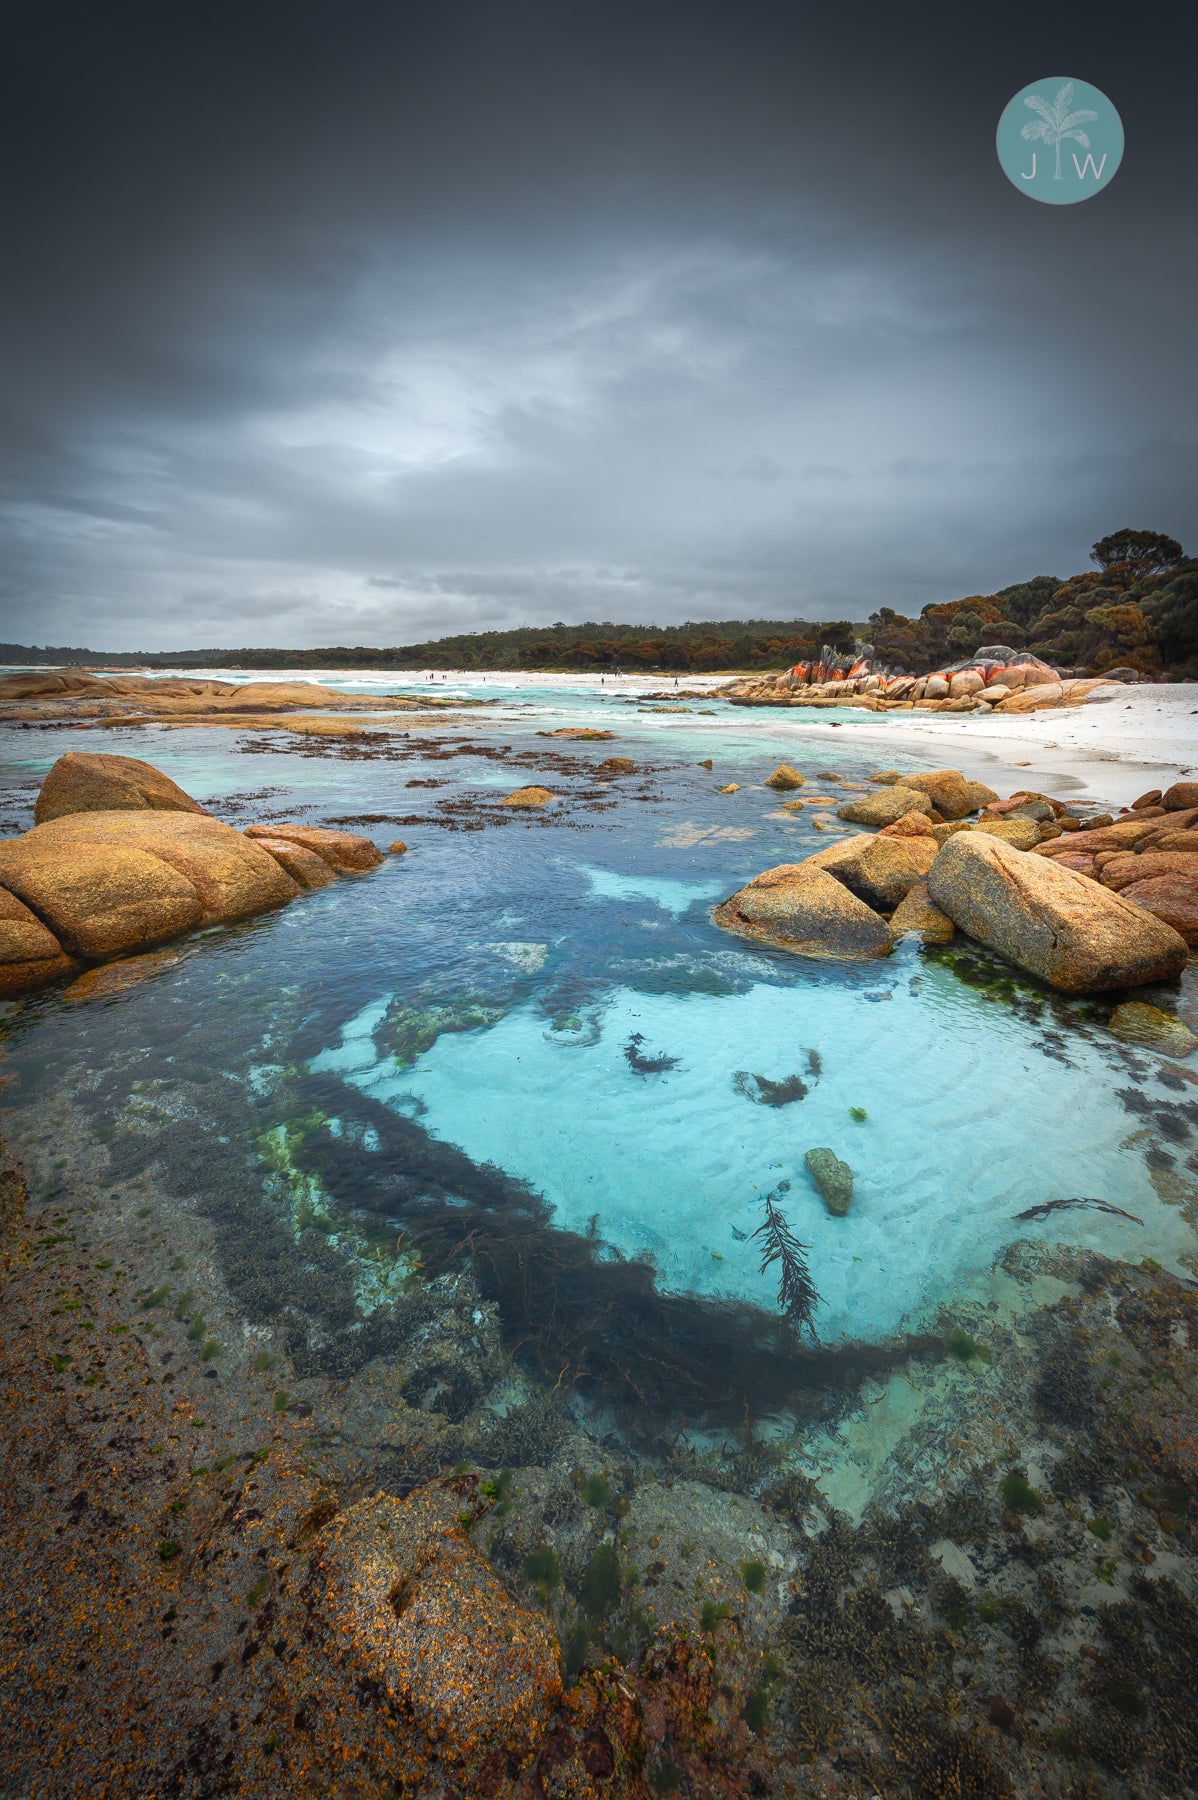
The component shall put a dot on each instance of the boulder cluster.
(1087, 904)
(997, 679)
(120, 859)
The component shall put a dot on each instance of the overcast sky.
(361, 324)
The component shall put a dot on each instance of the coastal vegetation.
(1137, 609)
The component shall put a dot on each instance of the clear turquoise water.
(574, 934)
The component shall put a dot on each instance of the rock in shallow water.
(833, 1180)
(802, 908)
(1055, 923)
(785, 777)
(1142, 1024)
(348, 852)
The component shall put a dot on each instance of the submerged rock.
(1142, 1024)
(785, 777)
(802, 908)
(879, 870)
(833, 1180)
(83, 781)
(1055, 923)
(885, 807)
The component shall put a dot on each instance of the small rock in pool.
(833, 1179)
(1139, 1023)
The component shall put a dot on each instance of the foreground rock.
(107, 882)
(785, 777)
(1061, 927)
(30, 956)
(93, 881)
(804, 909)
(82, 782)
(409, 1609)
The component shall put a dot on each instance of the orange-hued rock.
(1180, 797)
(303, 865)
(886, 806)
(100, 902)
(110, 882)
(1057, 924)
(1172, 898)
(803, 908)
(1186, 841)
(528, 796)
(406, 1609)
(1121, 870)
(950, 793)
(879, 870)
(346, 851)
(912, 824)
(915, 914)
(110, 979)
(82, 781)
(30, 955)
(1119, 836)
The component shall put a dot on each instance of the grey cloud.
(463, 318)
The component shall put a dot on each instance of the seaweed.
(646, 1065)
(1050, 1206)
(797, 1294)
(764, 1092)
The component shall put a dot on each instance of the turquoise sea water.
(485, 987)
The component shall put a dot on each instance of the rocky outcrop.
(83, 782)
(879, 870)
(1171, 898)
(806, 910)
(91, 882)
(996, 679)
(1061, 927)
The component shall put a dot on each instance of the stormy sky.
(361, 324)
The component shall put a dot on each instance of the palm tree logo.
(1055, 122)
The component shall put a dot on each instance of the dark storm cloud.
(364, 325)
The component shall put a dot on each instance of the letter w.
(1090, 166)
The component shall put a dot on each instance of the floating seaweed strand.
(797, 1293)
